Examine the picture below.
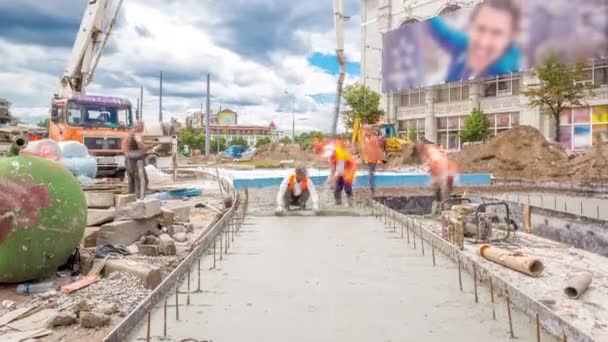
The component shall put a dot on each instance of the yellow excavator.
(394, 146)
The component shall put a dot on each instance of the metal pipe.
(515, 261)
(577, 285)
(475, 283)
(492, 299)
(459, 273)
(508, 298)
(19, 143)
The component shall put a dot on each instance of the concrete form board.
(582, 320)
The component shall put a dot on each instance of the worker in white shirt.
(296, 189)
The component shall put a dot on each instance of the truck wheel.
(120, 174)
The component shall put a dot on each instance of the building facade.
(225, 124)
(5, 116)
(437, 113)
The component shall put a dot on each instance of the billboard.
(495, 37)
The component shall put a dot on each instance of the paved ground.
(332, 279)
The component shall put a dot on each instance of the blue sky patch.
(329, 63)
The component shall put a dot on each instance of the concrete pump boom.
(93, 35)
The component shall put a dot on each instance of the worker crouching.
(295, 191)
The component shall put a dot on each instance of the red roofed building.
(225, 124)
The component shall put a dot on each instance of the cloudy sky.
(255, 50)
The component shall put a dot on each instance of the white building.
(438, 112)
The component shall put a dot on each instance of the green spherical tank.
(43, 214)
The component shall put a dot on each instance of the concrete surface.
(331, 279)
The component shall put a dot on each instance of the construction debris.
(63, 319)
(94, 319)
(126, 232)
(99, 199)
(578, 284)
(140, 210)
(97, 217)
(515, 261)
(151, 276)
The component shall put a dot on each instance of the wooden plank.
(37, 321)
(528, 219)
(13, 315)
(25, 335)
(80, 284)
(98, 265)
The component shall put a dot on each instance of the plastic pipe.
(17, 145)
(515, 261)
(577, 285)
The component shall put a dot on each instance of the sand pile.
(593, 165)
(522, 152)
(278, 152)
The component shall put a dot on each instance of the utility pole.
(160, 104)
(141, 105)
(339, 25)
(208, 116)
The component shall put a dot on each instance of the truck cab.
(99, 122)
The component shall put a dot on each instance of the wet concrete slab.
(331, 279)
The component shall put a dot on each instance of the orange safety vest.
(350, 167)
(293, 180)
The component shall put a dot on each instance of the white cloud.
(184, 50)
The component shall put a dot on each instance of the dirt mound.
(590, 166)
(521, 152)
(278, 152)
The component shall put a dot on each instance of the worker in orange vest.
(343, 171)
(295, 190)
(373, 154)
(443, 170)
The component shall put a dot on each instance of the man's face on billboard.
(490, 33)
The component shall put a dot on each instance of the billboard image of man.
(487, 47)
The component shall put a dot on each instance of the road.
(331, 279)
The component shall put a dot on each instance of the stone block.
(62, 319)
(180, 237)
(149, 250)
(148, 208)
(126, 232)
(99, 199)
(97, 217)
(182, 212)
(94, 319)
(123, 200)
(150, 275)
(89, 239)
(167, 245)
(167, 217)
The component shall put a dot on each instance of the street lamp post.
(293, 121)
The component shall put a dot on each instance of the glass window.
(503, 120)
(514, 119)
(415, 99)
(585, 76)
(515, 89)
(489, 89)
(402, 125)
(453, 123)
(455, 94)
(465, 92)
(600, 134)
(600, 75)
(565, 118)
(462, 120)
(580, 115)
(565, 136)
(600, 114)
(442, 123)
(492, 120)
(582, 137)
(504, 87)
(405, 100)
(420, 124)
(442, 95)
(443, 139)
(453, 141)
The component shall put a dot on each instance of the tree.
(263, 142)
(363, 103)
(218, 144)
(44, 123)
(285, 140)
(558, 88)
(306, 140)
(412, 134)
(476, 127)
(192, 138)
(239, 141)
